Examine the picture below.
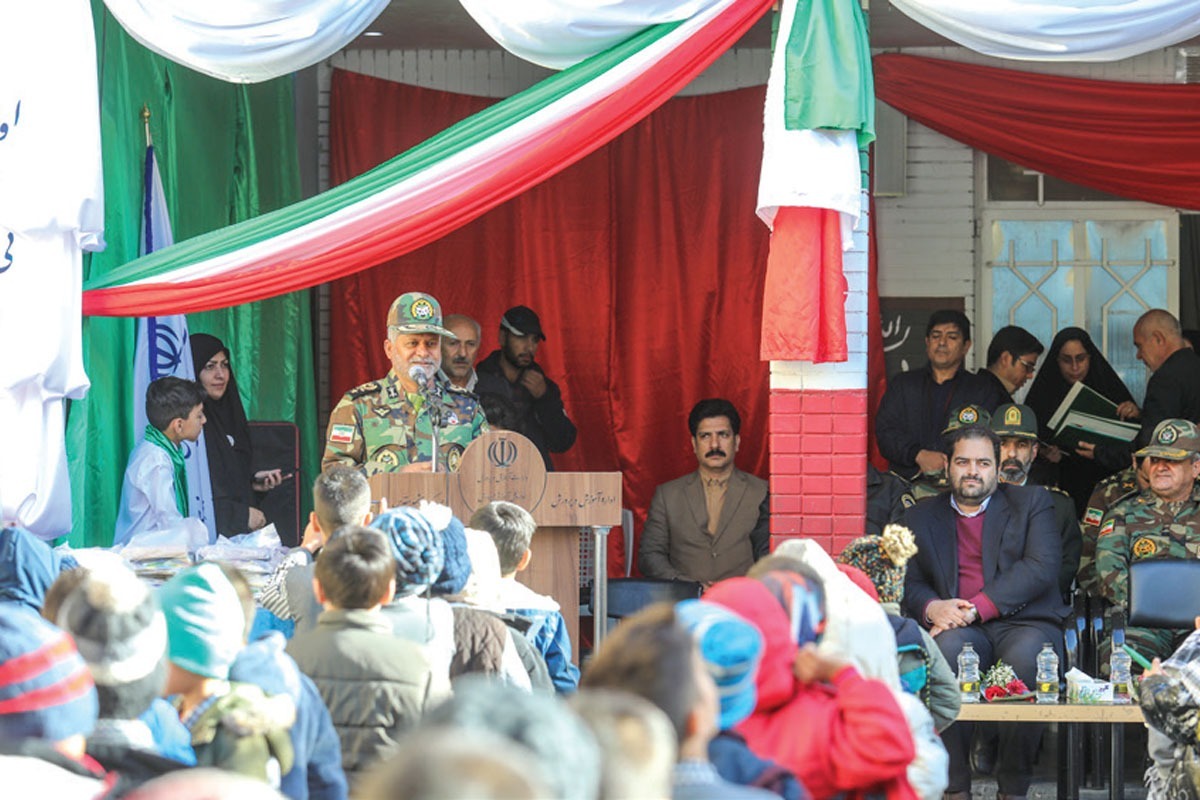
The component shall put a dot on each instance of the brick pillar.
(818, 430)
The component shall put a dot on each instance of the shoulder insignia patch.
(1144, 547)
(1108, 527)
(341, 434)
(1093, 516)
(907, 500)
(388, 459)
(451, 419)
(364, 390)
(454, 457)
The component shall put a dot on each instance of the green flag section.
(829, 82)
(227, 153)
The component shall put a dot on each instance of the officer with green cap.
(931, 484)
(389, 425)
(1017, 427)
(1160, 522)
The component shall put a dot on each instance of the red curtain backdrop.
(1136, 140)
(644, 260)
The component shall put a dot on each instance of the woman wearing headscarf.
(1074, 357)
(227, 441)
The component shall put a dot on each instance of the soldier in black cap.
(1017, 427)
(512, 373)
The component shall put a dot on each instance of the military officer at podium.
(713, 523)
(388, 425)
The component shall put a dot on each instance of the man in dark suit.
(986, 572)
(713, 523)
(1173, 391)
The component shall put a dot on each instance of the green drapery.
(227, 152)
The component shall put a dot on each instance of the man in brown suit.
(713, 523)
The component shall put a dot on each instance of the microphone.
(421, 375)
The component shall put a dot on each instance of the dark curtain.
(1189, 270)
(1136, 140)
(644, 260)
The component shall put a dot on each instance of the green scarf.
(156, 437)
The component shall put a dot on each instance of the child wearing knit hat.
(234, 726)
(47, 708)
(883, 560)
(122, 636)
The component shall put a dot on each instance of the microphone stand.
(432, 392)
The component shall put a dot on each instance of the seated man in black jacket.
(913, 412)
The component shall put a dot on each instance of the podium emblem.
(502, 453)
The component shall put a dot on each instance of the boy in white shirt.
(155, 492)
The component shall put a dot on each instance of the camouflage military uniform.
(378, 427)
(1107, 494)
(1139, 527)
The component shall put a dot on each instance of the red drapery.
(1136, 140)
(644, 260)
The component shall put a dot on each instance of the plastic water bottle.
(1120, 666)
(968, 673)
(1047, 675)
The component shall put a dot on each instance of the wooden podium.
(504, 465)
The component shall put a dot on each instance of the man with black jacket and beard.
(512, 373)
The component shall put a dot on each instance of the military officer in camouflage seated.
(387, 425)
(1017, 427)
(1107, 494)
(1157, 523)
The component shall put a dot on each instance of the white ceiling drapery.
(1059, 30)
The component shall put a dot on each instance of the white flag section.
(163, 349)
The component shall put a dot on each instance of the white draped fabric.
(1059, 30)
(245, 41)
(560, 33)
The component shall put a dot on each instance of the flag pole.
(146, 123)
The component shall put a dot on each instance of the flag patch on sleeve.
(1109, 527)
(1093, 516)
(341, 434)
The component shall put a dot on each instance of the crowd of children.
(398, 655)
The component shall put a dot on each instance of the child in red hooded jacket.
(817, 716)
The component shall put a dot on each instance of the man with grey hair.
(512, 528)
(1173, 391)
(449, 764)
(565, 750)
(341, 497)
(637, 743)
(1159, 522)
(392, 424)
(458, 354)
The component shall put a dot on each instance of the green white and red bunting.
(433, 188)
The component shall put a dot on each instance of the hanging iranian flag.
(434, 188)
(820, 113)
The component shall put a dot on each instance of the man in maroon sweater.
(986, 572)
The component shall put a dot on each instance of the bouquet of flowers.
(1001, 682)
